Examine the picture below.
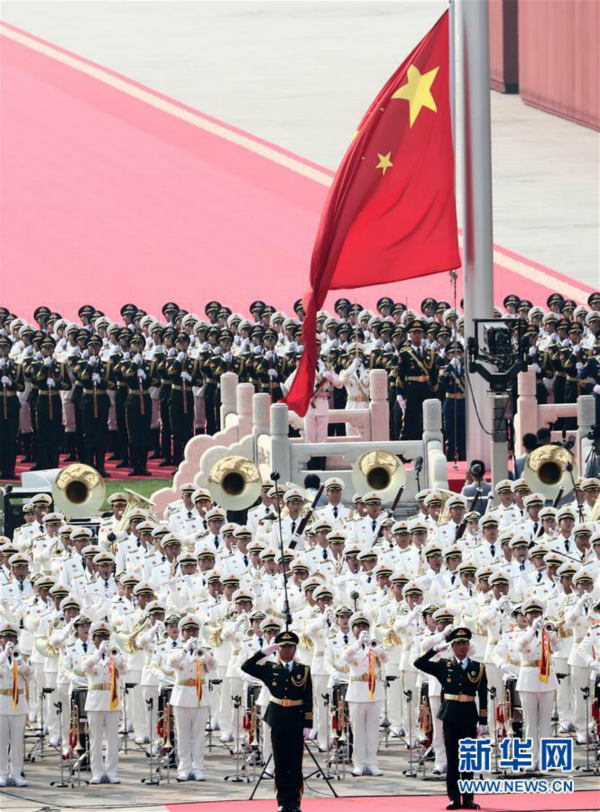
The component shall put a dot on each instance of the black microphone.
(418, 465)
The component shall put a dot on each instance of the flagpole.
(475, 161)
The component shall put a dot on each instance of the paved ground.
(132, 793)
(301, 74)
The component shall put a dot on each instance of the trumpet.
(12, 651)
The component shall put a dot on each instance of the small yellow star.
(384, 162)
(417, 91)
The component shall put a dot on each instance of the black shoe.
(165, 463)
(104, 474)
(114, 457)
(454, 805)
(144, 472)
(470, 805)
(71, 458)
(133, 472)
(156, 455)
(122, 464)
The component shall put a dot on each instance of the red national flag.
(390, 213)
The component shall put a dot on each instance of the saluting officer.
(139, 375)
(289, 713)
(11, 379)
(96, 377)
(463, 680)
(182, 373)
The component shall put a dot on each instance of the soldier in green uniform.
(417, 380)
(139, 375)
(50, 378)
(452, 385)
(121, 397)
(11, 382)
(289, 713)
(463, 681)
(95, 377)
(182, 373)
(268, 368)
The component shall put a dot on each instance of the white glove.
(532, 352)
(2, 363)
(504, 602)
(39, 356)
(328, 375)
(449, 629)
(482, 730)
(379, 343)
(355, 364)
(141, 374)
(306, 731)
(186, 377)
(596, 389)
(257, 351)
(270, 356)
(364, 636)
(6, 381)
(441, 646)
(228, 357)
(401, 402)
(137, 358)
(48, 362)
(272, 373)
(126, 356)
(50, 383)
(435, 345)
(29, 351)
(575, 349)
(85, 354)
(93, 360)
(565, 343)
(537, 623)
(292, 346)
(181, 357)
(537, 368)
(95, 377)
(270, 649)
(554, 338)
(455, 362)
(579, 366)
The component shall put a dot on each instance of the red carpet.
(112, 192)
(406, 803)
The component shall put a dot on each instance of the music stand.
(318, 771)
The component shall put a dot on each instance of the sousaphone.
(379, 471)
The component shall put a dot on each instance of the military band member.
(104, 668)
(289, 713)
(463, 681)
(14, 674)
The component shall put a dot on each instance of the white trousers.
(316, 421)
(104, 726)
(537, 718)
(50, 701)
(12, 734)
(227, 715)
(321, 712)
(408, 681)
(437, 739)
(190, 729)
(136, 709)
(364, 718)
(579, 679)
(563, 695)
(36, 683)
(395, 699)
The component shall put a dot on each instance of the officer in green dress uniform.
(452, 385)
(289, 713)
(139, 375)
(50, 377)
(95, 377)
(268, 368)
(11, 382)
(417, 380)
(182, 373)
(121, 397)
(463, 681)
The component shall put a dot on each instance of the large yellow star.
(384, 162)
(417, 91)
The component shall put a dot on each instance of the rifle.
(463, 525)
(306, 518)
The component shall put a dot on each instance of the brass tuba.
(135, 501)
(234, 482)
(378, 471)
(78, 491)
(549, 469)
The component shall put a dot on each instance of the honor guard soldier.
(463, 681)
(50, 378)
(95, 377)
(452, 384)
(417, 380)
(289, 713)
(14, 674)
(139, 375)
(182, 374)
(11, 378)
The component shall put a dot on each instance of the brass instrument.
(135, 502)
(595, 514)
(425, 720)
(78, 491)
(378, 471)
(127, 640)
(234, 482)
(444, 516)
(163, 730)
(550, 468)
(253, 733)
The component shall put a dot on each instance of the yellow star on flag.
(417, 91)
(384, 162)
